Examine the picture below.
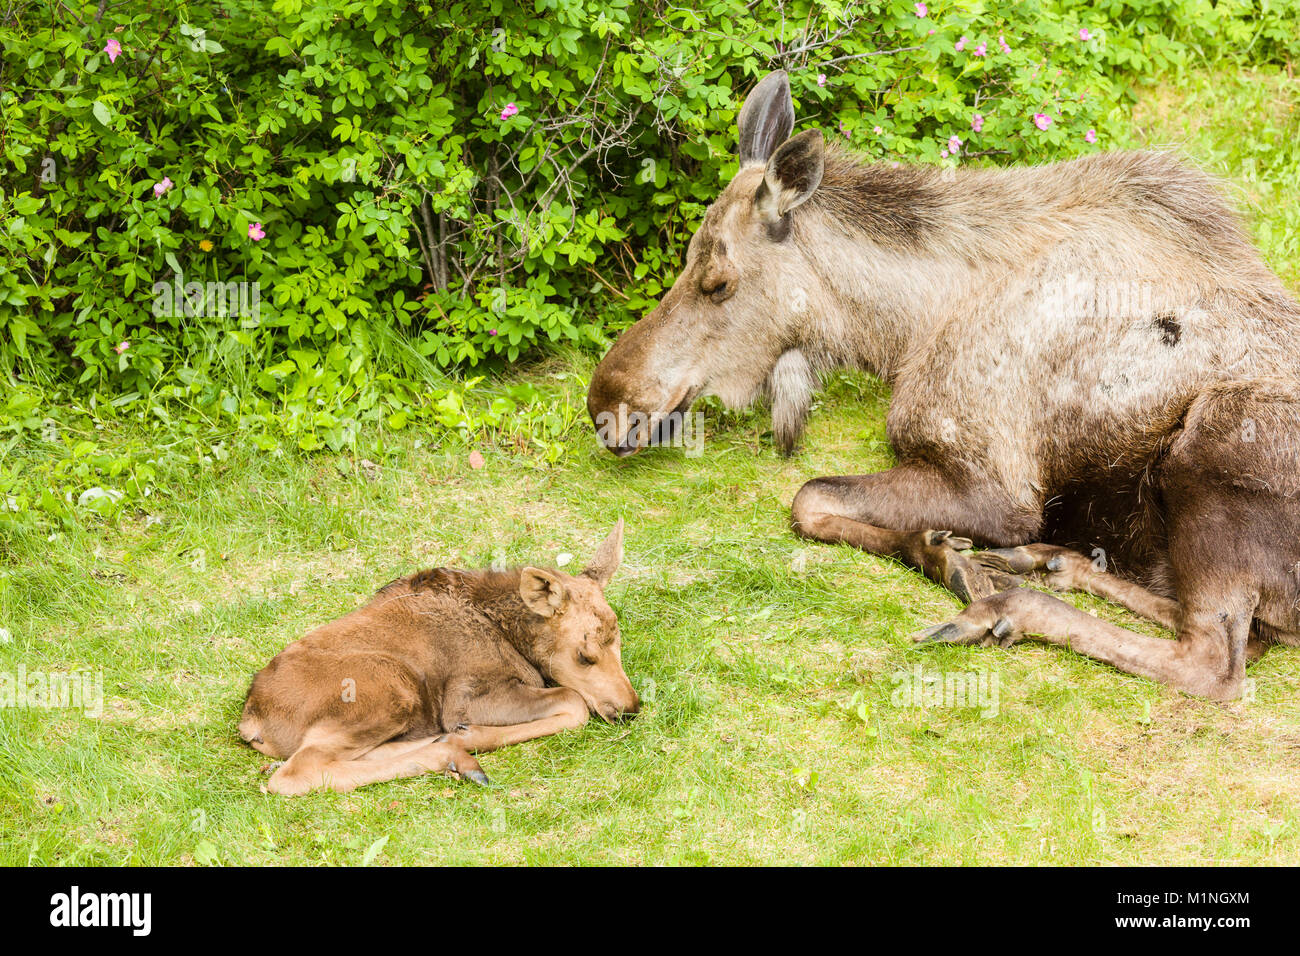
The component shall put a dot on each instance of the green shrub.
(289, 221)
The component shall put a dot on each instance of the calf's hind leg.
(328, 760)
(891, 513)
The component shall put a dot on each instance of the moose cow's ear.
(607, 557)
(543, 591)
(766, 118)
(793, 174)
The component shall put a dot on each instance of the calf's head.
(577, 643)
(735, 309)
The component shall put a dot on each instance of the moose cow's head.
(730, 324)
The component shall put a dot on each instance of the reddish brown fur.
(436, 665)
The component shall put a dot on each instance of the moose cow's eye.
(584, 660)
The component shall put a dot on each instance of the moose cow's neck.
(899, 248)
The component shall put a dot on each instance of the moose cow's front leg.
(893, 513)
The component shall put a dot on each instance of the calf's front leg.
(512, 713)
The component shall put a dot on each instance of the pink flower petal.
(475, 460)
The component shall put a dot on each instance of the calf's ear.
(543, 591)
(766, 118)
(793, 174)
(607, 557)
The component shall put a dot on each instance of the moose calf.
(436, 666)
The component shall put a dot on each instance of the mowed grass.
(774, 728)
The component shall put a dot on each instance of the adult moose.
(1082, 355)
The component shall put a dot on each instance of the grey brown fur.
(1086, 355)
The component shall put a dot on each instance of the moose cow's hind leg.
(1064, 570)
(1207, 659)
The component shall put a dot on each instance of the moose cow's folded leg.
(896, 513)
(1208, 658)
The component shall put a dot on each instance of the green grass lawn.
(774, 727)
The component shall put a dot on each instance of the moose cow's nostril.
(715, 288)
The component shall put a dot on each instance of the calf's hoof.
(469, 769)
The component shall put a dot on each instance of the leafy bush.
(288, 222)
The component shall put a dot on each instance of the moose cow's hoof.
(1001, 632)
(1011, 560)
(986, 622)
(1058, 568)
(479, 777)
(941, 560)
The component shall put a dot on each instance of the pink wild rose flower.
(1002, 42)
(960, 45)
(977, 122)
(1090, 136)
(1042, 120)
(1084, 34)
(256, 232)
(121, 347)
(509, 111)
(821, 79)
(922, 10)
(980, 50)
(161, 187)
(954, 145)
(113, 49)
